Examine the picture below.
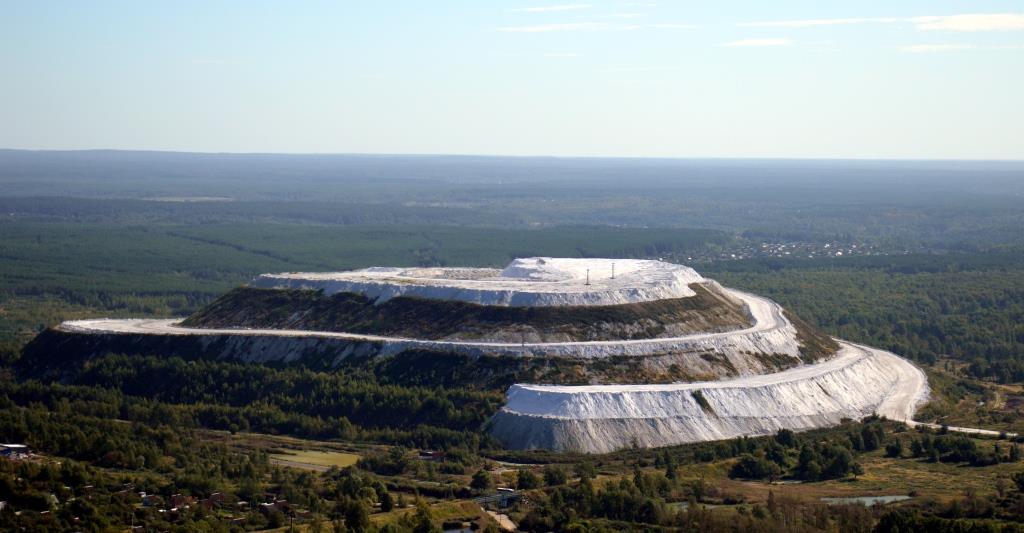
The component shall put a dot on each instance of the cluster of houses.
(175, 505)
(172, 507)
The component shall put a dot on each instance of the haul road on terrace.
(851, 382)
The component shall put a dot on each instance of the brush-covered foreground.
(91, 467)
(215, 432)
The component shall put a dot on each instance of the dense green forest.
(118, 414)
(139, 422)
(944, 204)
(118, 450)
(965, 306)
(931, 267)
(295, 401)
(53, 271)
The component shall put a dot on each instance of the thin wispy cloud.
(960, 23)
(928, 48)
(810, 23)
(565, 26)
(590, 26)
(673, 26)
(755, 43)
(551, 55)
(971, 23)
(624, 15)
(551, 9)
(650, 68)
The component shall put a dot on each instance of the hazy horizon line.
(518, 156)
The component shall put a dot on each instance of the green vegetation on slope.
(298, 401)
(814, 344)
(423, 318)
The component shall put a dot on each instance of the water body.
(867, 501)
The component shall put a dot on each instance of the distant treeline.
(52, 271)
(221, 210)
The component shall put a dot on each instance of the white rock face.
(603, 418)
(534, 281)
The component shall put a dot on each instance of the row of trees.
(956, 449)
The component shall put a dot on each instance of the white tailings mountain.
(852, 382)
(771, 333)
(531, 282)
(855, 383)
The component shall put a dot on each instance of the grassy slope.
(814, 344)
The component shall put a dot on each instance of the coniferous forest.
(182, 443)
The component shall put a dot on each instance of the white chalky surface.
(528, 282)
(856, 382)
(770, 333)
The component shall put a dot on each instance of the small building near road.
(13, 450)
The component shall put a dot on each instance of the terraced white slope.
(770, 333)
(856, 382)
(534, 281)
(601, 418)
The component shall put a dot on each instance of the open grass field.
(882, 476)
(960, 400)
(463, 510)
(283, 444)
(314, 459)
(292, 452)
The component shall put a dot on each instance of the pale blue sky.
(863, 79)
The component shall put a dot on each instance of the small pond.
(866, 500)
